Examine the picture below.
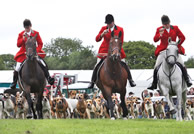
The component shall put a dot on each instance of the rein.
(170, 72)
(169, 76)
(115, 49)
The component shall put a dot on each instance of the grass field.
(96, 126)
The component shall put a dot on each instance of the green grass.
(96, 126)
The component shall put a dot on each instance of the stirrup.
(51, 80)
(132, 83)
(152, 86)
(13, 85)
(189, 83)
(91, 85)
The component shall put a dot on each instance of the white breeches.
(18, 64)
(162, 56)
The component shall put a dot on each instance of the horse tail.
(142, 95)
(142, 106)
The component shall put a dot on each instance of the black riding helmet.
(109, 19)
(27, 23)
(165, 19)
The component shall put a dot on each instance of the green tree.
(61, 47)
(84, 59)
(8, 61)
(2, 65)
(190, 62)
(139, 54)
(69, 54)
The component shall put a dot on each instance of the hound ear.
(169, 39)
(120, 33)
(112, 33)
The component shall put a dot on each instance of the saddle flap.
(99, 66)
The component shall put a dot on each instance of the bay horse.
(113, 76)
(171, 81)
(32, 78)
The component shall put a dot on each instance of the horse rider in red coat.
(21, 55)
(105, 33)
(163, 33)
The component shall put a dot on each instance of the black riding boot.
(15, 79)
(185, 74)
(131, 82)
(155, 79)
(94, 75)
(46, 73)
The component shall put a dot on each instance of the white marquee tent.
(142, 77)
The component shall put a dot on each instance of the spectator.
(191, 91)
(131, 94)
(156, 94)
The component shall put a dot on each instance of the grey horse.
(171, 81)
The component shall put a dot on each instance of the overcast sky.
(84, 18)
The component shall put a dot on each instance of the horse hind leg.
(34, 112)
(184, 97)
(170, 103)
(39, 106)
(123, 105)
(179, 100)
(110, 107)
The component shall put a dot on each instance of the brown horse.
(32, 78)
(113, 76)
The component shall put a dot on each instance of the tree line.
(70, 54)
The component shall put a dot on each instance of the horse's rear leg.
(110, 107)
(179, 100)
(184, 97)
(123, 105)
(170, 103)
(39, 106)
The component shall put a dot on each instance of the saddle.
(21, 66)
(100, 64)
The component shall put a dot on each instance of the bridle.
(30, 51)
(167, 56)
(116, 48)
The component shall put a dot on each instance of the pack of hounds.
(80, 105)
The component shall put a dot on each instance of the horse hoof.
(173, 111)
(125, 118)
(112, 118)
(29, 116)
(35, 117)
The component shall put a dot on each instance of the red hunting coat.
(174, 33)
(21, 56)
(105, 44)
